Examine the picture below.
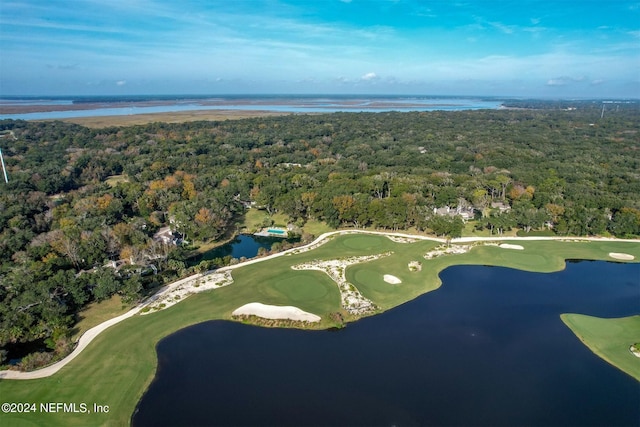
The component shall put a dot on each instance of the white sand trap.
(618, 255)
(391, 279)
(275, 312)
(510, 246)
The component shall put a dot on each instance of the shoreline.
(92, 333)
(302, 101)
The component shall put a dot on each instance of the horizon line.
(311, 95)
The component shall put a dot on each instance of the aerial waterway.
(42, 109)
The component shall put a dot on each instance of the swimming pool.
(275, 231)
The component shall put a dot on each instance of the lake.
(487, 348)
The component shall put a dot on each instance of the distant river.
(487, 348)
(277, 104)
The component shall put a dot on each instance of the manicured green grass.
(98, 312)
(610, 339)
(252, 220)
(119, 365)
(316, 227)
(540, 256)
(280, 219)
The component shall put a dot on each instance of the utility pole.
(4, 169)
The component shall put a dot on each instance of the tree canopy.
(79, 215)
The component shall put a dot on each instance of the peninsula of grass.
(610, 339)
(118, 366)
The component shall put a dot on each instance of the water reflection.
(487, 348)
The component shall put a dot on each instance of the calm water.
(296, 105)
(243, 245)
(487, 348)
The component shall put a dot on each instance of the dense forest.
(79, 214)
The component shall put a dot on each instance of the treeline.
(79, 215)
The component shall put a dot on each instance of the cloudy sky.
(557, 48)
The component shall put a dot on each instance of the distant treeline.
(582, 104)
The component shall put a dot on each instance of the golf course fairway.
(610, 339)
(117, 367)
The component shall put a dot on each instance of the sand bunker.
(391, 279)
(618, 255)
(401, 239)
(275, 312)
(510, 246)
(185, 287)
(415, 266)
(447, 250)
(351, 298)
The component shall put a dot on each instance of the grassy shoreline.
(609, 339)
(119, 365)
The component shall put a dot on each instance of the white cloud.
(369, 76)
(506, 29)
(556, 82)
(121, 82)
(565, 80)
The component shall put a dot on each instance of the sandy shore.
(275, 312)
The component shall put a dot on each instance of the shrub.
(35, 360)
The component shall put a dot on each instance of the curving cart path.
(90, 335)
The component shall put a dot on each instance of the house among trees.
(500, 206)
(467, 213)
(166, 236)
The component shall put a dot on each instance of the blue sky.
(558, 48)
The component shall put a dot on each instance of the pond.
(487, 348)
(243, 245)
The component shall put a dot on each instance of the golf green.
(117, 367)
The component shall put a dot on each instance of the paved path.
(88, 336)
